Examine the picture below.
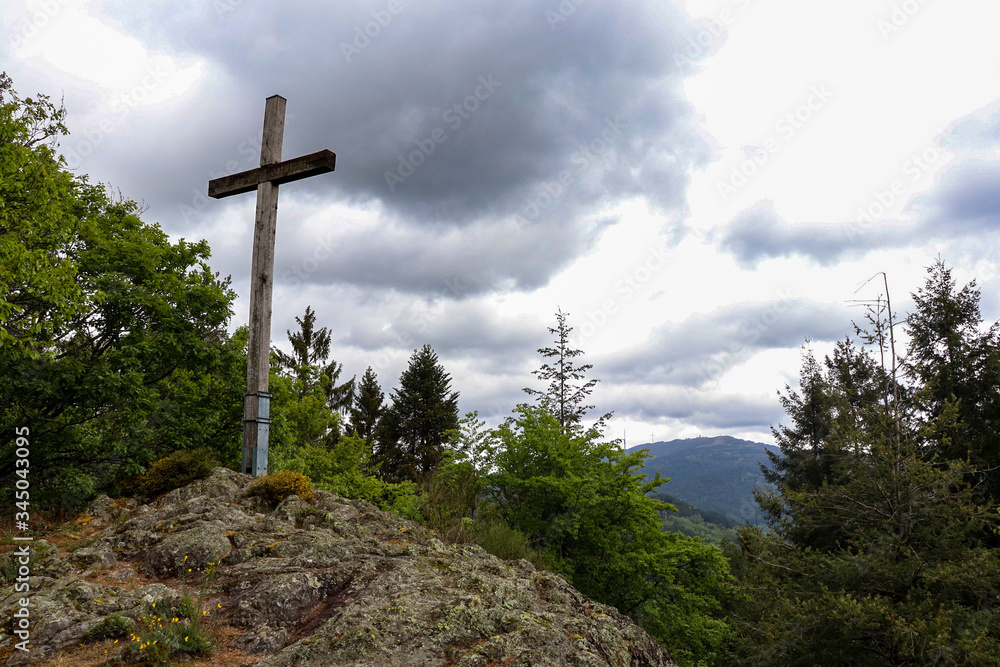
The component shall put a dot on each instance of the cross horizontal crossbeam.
(298, 168)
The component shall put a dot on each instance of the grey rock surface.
(324, 582)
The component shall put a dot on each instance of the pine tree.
(905, 576)
(412, 433)
(890, 559)
(565, 396)
(368, 407)
(310, 349)
(958, 369)
(800, 463)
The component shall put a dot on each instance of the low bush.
(166, 636)
(506, 543)
(345, 471)
(177, 470)
(111, 627)
(280, 485)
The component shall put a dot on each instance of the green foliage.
(507, 543)
(203, 407)
(300, 416)
(280, 485)
(881, 548)
(696, 526)
(583, 503)
(168, 635)
(176, 470)
(413, 432)
(344, 470)
(453, 491)
(38, 290)
(909, 580)
(313, 375)
(114, 626)
(368, 407)
(451, 496)
(108, 327)
(956, 367)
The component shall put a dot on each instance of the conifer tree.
(800, 463)
(568, 390)
(890, 560)
(310, 349)
(368, 407)
(413, 432)
(957, 367)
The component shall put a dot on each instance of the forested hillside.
(717, 473)
(695, 521)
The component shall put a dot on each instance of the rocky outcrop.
(326, 582)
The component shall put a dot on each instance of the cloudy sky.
(702, 184)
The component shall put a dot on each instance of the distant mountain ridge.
(715, 473)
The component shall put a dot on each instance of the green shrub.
(280, 485)
(166, 636)
(8, 571)
(451, 497)
(344, 471)
(114, 626)
(177, 470)
(506, 543)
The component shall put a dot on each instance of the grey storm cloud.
(449, 262)
(709, 411)
(456, 328)
(964, 203)
(701, 348)
(448, 115)
(759, 233)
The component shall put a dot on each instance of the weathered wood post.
(265, 179)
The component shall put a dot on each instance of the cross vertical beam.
(272, 172)
(255, 430)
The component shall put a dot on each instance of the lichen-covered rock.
(263, 641)
(61, 612)
(331, 581)
(124, 574)
(223, 485)
(282, 599)
(98, 556)
(43, 560)
(189, 551)
(102, 508)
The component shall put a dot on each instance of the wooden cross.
(265, 180)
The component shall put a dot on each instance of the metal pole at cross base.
(255, 434)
